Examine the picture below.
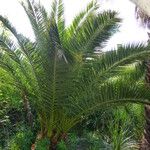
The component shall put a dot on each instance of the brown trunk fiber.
(53, 146)
(27, 109)
(55, 139)
(145, 143)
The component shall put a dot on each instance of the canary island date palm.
(54, 70)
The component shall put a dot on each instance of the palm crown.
(64, 86)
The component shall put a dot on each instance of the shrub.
(42, 144)
(22, 140)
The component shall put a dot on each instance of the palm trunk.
(145, 143)
(53, 146)
(55, 139)
(27, 109)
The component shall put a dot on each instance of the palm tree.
(53, 72)
(143, 14)
(145, 142)
(143, 17)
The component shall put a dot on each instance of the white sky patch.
(15, 13)
(130, 30)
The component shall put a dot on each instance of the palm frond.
(61, 19)
(82, 16)
(124, 55)
(20, 38)
(67, 86)
(133, 72)
(94, 31)
(109, 94)
(98, 33)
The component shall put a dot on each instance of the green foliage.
(120, 134)
(54, 72)
(22, 140)
(10, 112)
(94, 141)
(42, 144)
(117, 134)
(62, 146)
(114, 128)
(135, 114)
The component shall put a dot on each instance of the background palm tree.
(143, 14)
(145, 142)
(55, 74)
(144, 6)
(143, 17)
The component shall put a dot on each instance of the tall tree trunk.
(27, 109)
(145, 143)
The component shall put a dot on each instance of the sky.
(130, 31)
